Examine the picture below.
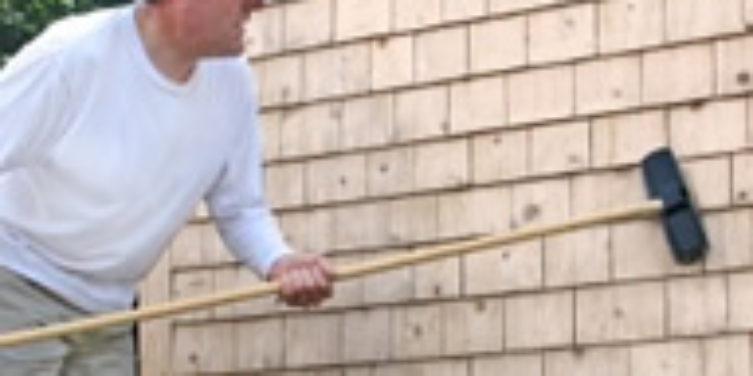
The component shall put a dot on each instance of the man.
(113, 126)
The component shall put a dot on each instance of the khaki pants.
(24, 305)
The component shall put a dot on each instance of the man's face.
(214, 28)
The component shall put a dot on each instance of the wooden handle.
(646, 209)
(642, 210)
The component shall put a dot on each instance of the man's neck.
(154, 29)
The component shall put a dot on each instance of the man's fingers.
(328, 271)
(305, 286)
(323, 282)
(305, 279)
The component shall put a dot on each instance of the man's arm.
(33, 102)
(250, 230)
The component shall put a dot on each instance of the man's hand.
(305, 279)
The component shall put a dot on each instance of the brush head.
(680, 220)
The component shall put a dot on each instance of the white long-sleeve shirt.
(103, 159)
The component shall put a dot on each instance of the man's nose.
(277, 2)
(252, 5)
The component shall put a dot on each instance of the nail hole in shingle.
(743, 78)
(531, 212)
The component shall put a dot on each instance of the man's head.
(203, 28)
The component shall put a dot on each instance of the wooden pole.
(649, 208)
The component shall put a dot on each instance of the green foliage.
(21, 20)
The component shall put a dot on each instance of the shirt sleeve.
(33, 101)
(238, 205)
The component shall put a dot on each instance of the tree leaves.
(22, 20)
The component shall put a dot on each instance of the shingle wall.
(397, 124)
